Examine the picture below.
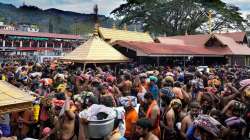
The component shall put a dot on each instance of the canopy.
(95, 50)
(13, 99)
(28, 38)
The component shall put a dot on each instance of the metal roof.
(13, 99)
(114, 34)
(95, 50)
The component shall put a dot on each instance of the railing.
(24, 48)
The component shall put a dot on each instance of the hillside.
(51, 20)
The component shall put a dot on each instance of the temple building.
(21, 42)
(200, 49)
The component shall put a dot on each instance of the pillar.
(30, 44)
(61, 45)
(4, 43)
(38, 44)
(12, 43)
(61, 48)
(46, 46)
(21, 44)
(53, 45)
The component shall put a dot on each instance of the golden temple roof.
(13, 99)
(95, 50)
(113, 35)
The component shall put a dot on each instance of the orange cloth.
(156, 125)
(130, 118)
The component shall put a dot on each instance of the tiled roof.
(198, 40)
(115, 34)
(229, 40)
(194, 40)
(159, 49)
(40, 34)
(95, 50)
(237, 36)
(236, 49)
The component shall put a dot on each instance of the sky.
(105, 6)
(244, 5)
(80, 6)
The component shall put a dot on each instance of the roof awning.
(13, 99)
(34, 49)
(19, 37)
(40, 39)
(28, 38)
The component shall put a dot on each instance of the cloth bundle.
(214, 82)
(153, 78)
(245, 83)
(170, 74)
(211, 90)
(235, 122)
(167, 91)
(80, 97)
(143, 75)
(169, 78)
(46, 81)
(128, 101)
(60, 103)
(46, 131)
(36, 74)
(110, 78)
(175, 103)
(91, 113)
(209, 124)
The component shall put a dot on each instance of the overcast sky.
(105, 6)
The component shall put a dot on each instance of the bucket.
(100, 128)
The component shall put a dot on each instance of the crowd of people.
(149, 103)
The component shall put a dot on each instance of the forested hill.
(51, 20)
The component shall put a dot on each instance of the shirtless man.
(171, 118)
(65, 125)
(126, 85)
(143, 127)
(153, 113)
(187, 121)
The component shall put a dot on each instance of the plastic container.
(100, 128)
(36, 109)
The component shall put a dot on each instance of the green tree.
(2, 18)
(82, 28)
(51, 29)
(175, 17)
